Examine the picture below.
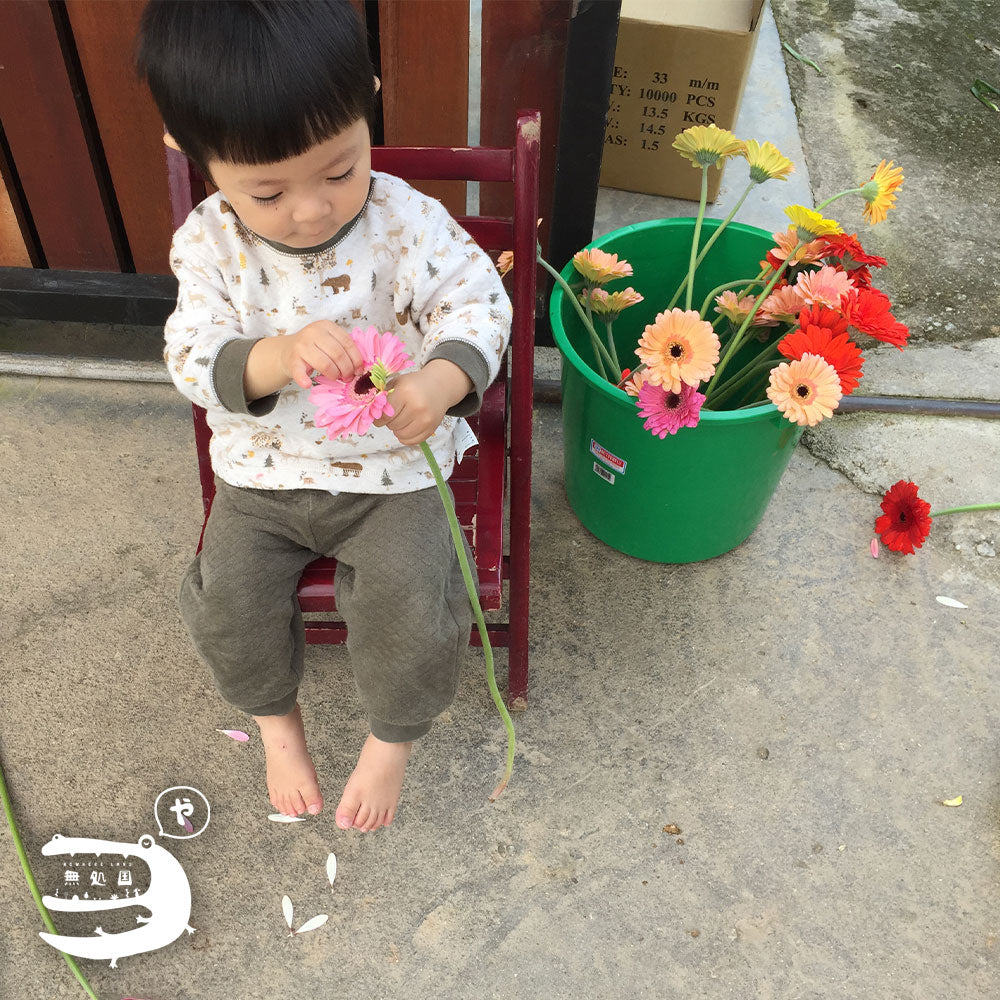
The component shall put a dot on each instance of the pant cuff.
(389, 732)
(280, 707)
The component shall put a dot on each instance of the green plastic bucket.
(692, 495)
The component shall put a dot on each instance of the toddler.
(303, 241)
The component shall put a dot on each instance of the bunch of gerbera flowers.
(793, 324)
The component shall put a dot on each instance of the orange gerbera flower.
(505, 262)
(786, 242)
(598, 267)
(806, 390)
(679, 347)
(783, 305)
(880, 191)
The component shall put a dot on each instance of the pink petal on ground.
(235, 734)
(874, 548)
(187, 825)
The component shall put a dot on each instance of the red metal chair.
(503, 425)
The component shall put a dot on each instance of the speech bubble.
(178, 836)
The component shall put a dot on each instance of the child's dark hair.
(255, 81)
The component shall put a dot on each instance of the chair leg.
(520, 562)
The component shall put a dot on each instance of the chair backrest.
(517, 165)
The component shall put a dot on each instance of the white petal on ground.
(286, 909)
(331, 867)
(950, 602)
(282, 818)
(311, 925)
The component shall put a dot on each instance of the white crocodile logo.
(168, 900)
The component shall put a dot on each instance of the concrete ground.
(796, 709)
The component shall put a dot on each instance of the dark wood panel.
(524, 53)
(425, 81)
(130, 127)
(48, 143)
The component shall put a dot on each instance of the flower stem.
(721, 288)
(961, 510)
(708, 246)
(33, 886)
(833, 198)
(738, 336)
(611, 346)
(697, 235)
(456, 537)
(599, 348)
(741, 377)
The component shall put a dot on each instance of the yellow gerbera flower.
(811, 224)
(597, 266)
(766, 161)
(880, 191)
(806, 390)
(704, 145)
(679, 347)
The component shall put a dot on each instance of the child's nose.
(311, 209)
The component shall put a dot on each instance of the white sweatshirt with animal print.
(403, 264)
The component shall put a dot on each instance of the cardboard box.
(677, 64)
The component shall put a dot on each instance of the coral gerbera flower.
(634, 383)
(868, 311)
(351, 406)
(766, 161)
(597, 266)
(905, 523)
(610, 304)
(824, 287)
(808, 253)
(734, 307)
(704, 145)
(678, 347)
(829, 319)
(667, 412)
(880, 191)
(783, 305)
(811, 224)
(806, 390)
(837, 350)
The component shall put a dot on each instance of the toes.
(347, 811)
(373, 821)
(362, 817)
(389, 815)
(297, 803)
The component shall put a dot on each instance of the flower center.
(364, 384)
(902, 516)
(673, 400)
(675, 350)
(802, 391)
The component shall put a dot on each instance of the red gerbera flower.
(838, 351)
(905, 523)
(824, 316)
(868, 310)
(849, 251)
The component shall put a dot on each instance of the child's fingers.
(344, 350)
(300, 373)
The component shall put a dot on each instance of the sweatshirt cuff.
(227, 379)
(473, 364)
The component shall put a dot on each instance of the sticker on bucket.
(616, 463)
(604, 474)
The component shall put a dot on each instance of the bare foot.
(291, 775)
(372, 791)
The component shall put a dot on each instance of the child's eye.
(266, 201)
(343, 177)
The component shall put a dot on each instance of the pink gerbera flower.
(824, 287)
(667, 412)
(782, 306)
(352, 406)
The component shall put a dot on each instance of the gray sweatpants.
(398, 586)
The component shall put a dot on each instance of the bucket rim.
(619, 396)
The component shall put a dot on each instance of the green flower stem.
(599, 348)
(708, 246)
(743, 376)
(721, 288)
(738, 337)
(33, 886)
(829, 201)
(609, 323)
(962, 510)
(456, 537)
(697, 234)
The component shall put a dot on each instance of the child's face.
(308, 197)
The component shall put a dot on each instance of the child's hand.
(321, 346)
(422, 398)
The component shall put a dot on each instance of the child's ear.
(169, 140)
(378, 84)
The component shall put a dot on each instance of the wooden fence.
(84, 184)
